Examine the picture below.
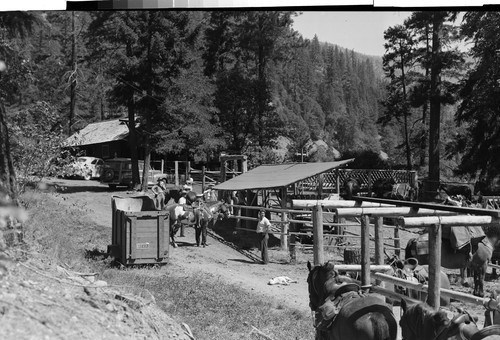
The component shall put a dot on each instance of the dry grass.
(214, 309)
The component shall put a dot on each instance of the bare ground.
(42, 299)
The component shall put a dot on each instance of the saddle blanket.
(281, 280)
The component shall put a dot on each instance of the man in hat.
(210, 195)
(159, 193)
(189, 185)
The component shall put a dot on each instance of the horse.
(342, 312)
(420, 321)
(465, 190)
(208, 214)
(453, 259)
(412, 271)
(351, 188)
(388, 188)
(177, 215)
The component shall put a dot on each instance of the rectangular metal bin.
(140, 233)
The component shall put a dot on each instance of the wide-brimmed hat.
(190, 181)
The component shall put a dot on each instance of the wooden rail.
(331, 204)
(389, 212)
(458, 210)
(464, 297)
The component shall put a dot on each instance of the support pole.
(365, 252)
(176, 167)
(203, 179)
(317, 214)
(284, 226)
(434, 293)
(397, 241)
(379, 242)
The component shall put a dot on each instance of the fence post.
(188, 170)
(203, 179)
(162, 166)
(397, 241)
(284, 232)
(379, 242)
(365, 252)
(176, 167)
(434, 293)
(318, 235)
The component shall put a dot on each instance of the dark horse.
(453, 259)
(342, 312)
(206, 214)
(351, 188)
(420, 321)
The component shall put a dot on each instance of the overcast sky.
(361, 31)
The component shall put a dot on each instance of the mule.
(342, 312)
(453, 259)
(420, 321)
(205, 215)
(412, 271)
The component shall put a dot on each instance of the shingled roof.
(100, 132)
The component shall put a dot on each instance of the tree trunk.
(425, 107)
(133, 142)
(7, 174)
(405, 112)
(435, 104)
(73, 76)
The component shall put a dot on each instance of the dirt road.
(217, 258)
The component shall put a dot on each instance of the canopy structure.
(278, 176)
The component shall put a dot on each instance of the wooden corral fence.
(409, 215)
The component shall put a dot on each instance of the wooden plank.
(458, 220)
(133, 236)
(464, 297)
(318, 235)
(331, 204)
(433, 296)
(459, 210)
(388, 211)
(357, 268)
(365, 251)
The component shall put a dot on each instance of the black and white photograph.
(272, 173)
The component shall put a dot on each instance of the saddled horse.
(412, 271)
(342, 312)
(453, 259)
(420, 321)
(206, 214)
(388, 188)
(178, 215)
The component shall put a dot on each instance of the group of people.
(183, 198)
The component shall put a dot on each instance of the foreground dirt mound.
(39, 299)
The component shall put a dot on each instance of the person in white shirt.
(182, 200)
(189, 185)
(263, 228)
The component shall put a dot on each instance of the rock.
(100, 283)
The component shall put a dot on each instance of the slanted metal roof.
(101, 132)
(278, 175)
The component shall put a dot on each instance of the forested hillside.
(202, 83)
(232, 81)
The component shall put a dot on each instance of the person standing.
(159, 194)
(263, 227)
